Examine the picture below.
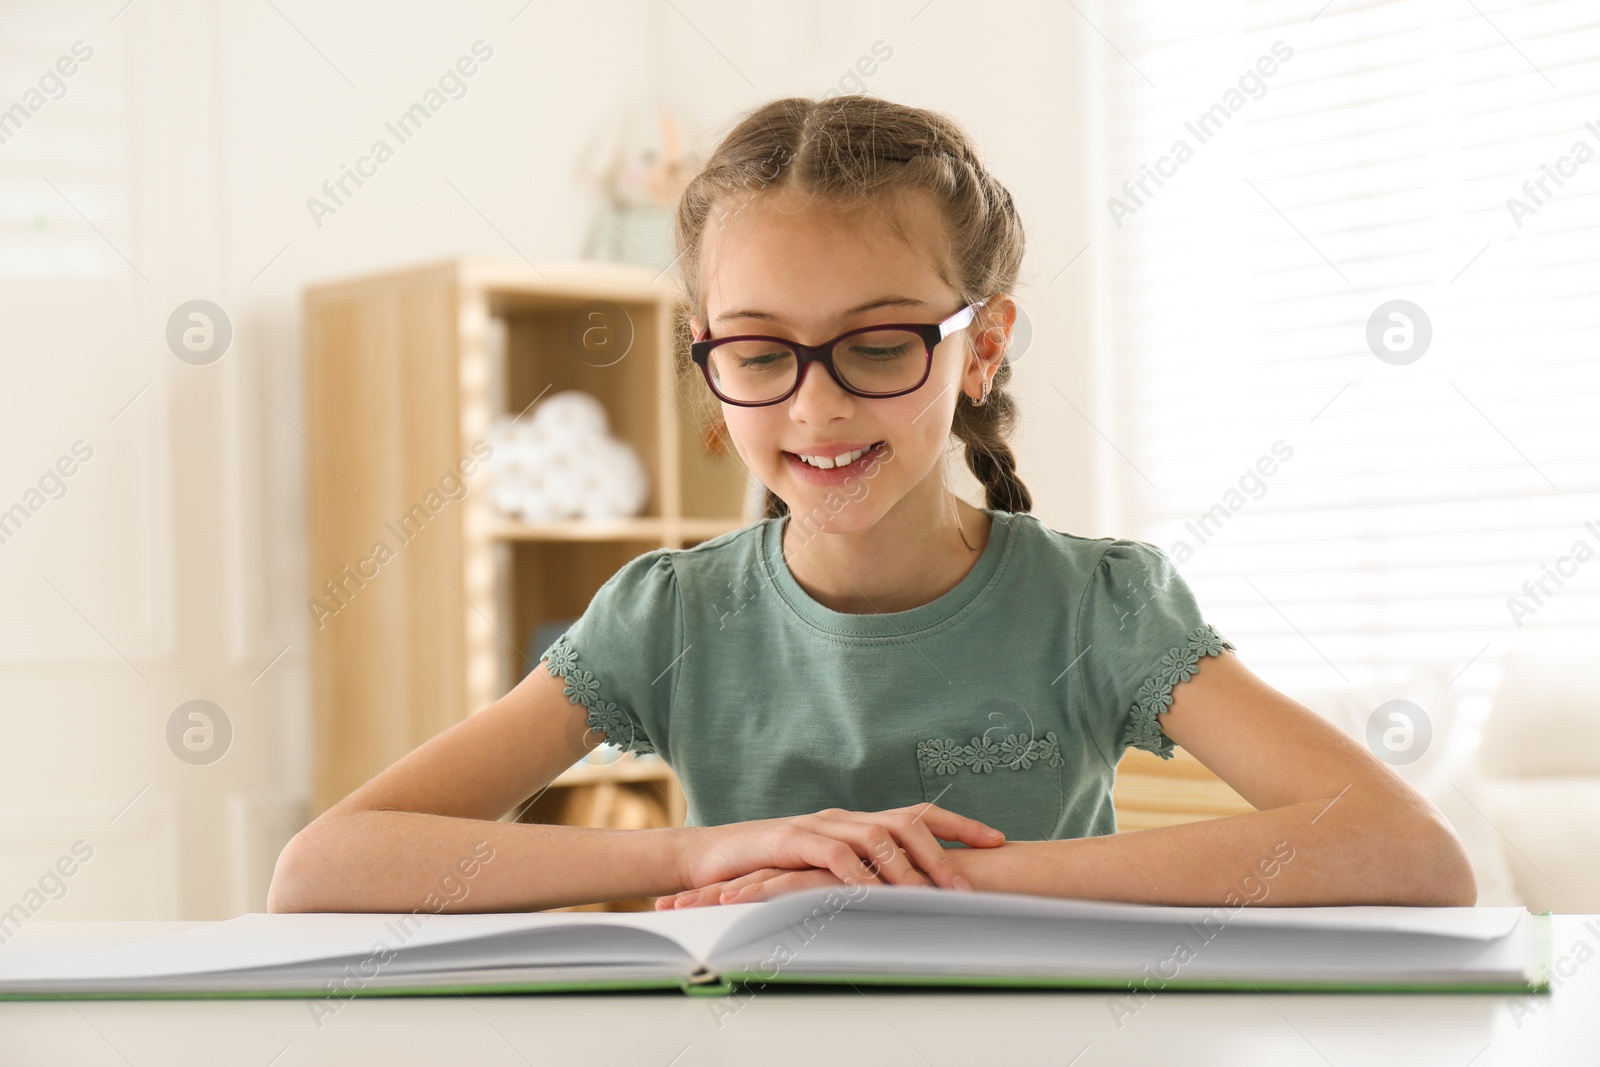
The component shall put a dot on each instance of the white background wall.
(177, 165)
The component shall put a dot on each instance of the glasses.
(875, 362)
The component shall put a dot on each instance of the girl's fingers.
(783, 882)
(693, 898)
(915, 848)
(918, 849)
(953, 827)
(834, 853)
(932, 858)
(837, 854)
(900, 846)
(713, 894)
(878, 850)
(688, 899)
(746, 879)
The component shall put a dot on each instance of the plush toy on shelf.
(560, 462)
(638, 166)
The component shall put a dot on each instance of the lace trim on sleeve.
(1155, 695)
(561, 660)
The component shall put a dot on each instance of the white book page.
(684, 939)
(886, 944)
(811, 909)
(692, 931)
(322, 942)
(273, 979)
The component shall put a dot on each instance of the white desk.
(802, 1027)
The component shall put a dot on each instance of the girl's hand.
(893, 847)
(757, 885)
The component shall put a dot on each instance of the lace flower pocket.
(1010, 782)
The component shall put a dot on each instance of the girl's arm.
(425, 833)
(1335, 825)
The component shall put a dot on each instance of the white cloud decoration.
(559, 461)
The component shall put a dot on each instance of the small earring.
(978, 402)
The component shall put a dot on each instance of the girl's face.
(780, 268)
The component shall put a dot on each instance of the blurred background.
(1311, 302)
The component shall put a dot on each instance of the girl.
(878, 682)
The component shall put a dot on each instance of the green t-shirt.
(1009, 699)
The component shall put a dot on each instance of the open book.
(885, 935)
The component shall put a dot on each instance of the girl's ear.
(697, 328)
(995, 323)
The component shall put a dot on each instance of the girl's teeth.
(825, 463)
(843, 460)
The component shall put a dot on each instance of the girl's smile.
(857, 461)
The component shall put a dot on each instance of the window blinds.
(65, 167)
(1344, 511)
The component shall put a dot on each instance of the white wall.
(177, 166)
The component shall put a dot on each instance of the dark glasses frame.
(931, 334)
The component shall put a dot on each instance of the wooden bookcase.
(404, 373)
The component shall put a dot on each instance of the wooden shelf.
(406, 371)
(1151, 792)
(626, 768)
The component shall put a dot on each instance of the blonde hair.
(849, 151)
